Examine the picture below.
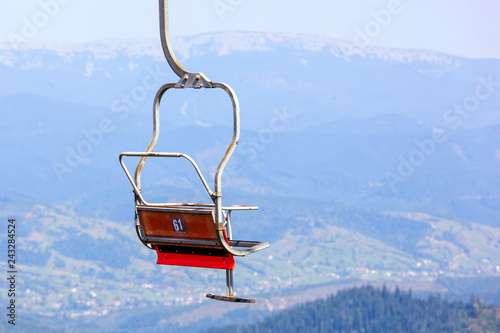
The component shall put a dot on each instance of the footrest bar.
(230, 299)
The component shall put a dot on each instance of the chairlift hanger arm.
(165, 41)
(188, 79)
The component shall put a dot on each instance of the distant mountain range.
(386, 159)
(359, 118)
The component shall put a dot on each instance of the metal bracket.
(194, 80)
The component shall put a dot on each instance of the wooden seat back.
(178, 223)
(184, 236)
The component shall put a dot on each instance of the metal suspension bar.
(229, 283)
(188, 79)
(165, 42)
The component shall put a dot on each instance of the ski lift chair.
(190, 234)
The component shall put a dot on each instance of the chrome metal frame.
(222, 216)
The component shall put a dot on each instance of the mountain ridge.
(225, 43)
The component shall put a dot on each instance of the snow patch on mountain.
(222, 44)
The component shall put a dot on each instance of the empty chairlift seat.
(190, 234)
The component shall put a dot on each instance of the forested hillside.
(367, 309)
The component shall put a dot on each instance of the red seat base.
(194, 260)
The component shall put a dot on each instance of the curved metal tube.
(187, 79)
(219, 216)
(165, 42)
(240, 253)
(138, 231)
(156, 131)
(236, 134)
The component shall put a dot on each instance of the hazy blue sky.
(463, 27)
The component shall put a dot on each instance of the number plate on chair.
(179, 225)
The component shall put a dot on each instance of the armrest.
(239, 243)
(255, 246)
(240, 207)
(259, 247)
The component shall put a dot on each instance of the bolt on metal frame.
(222, 214)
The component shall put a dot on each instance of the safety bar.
(177, 155)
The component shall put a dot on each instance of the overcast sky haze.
(468, 28)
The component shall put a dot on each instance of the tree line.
(372, 310)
